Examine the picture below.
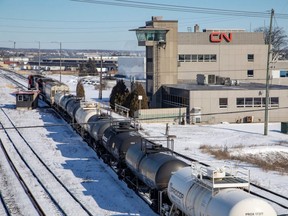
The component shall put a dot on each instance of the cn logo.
(217, 37)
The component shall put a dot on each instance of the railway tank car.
(71, 108)
(217, 194)
(118, 138)
(96, 127)
(83, 114)
(152, 167)
(61, 100)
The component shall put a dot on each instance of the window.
(256, 102)
(197, 58)
(223, 102)
(283, 73)
(250, 57)
(150, 77)
(20, 97)
(240, 102)
(248, 102)
(181, 58)
(250, 73)
(200, 58)
(213, 58)
(187, 58)
(263, 101)
(194, 58)
(274, 101)
(150, 60)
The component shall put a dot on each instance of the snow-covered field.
(98, 186)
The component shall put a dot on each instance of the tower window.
(250, 73)
(250, 57)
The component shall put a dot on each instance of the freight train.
(167, 182)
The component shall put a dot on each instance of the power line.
(182, 8)
(76, 28)
(70, 21)
(64, 32)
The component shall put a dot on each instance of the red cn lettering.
(228, 37)
(217, 37)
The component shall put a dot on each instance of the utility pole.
(268, 77)
(39, 55)
(14, 54)
(60, 54)
(60, 60)
(100, 87)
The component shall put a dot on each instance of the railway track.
(10, 75)
(55, 198)
(3, 206)
(256, 190)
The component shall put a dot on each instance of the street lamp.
(60, 56)
(140, 97)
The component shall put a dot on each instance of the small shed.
(26, 99)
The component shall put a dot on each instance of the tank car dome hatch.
(196, 198)
(153, 169)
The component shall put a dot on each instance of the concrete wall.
(165, 115)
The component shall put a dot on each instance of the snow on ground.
(248, 138)
(73, 161)
(99, 187)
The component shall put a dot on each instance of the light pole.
(60, 43)
(38, 55)
(100, 87)
(14, 42)
(140, 97)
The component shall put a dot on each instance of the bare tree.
(279, 40)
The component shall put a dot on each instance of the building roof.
(150, 28)
(22, 92)
(241, 86)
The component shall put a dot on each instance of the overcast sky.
(105, 25)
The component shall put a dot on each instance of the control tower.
(160, 37)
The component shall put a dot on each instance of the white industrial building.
(218, 74)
